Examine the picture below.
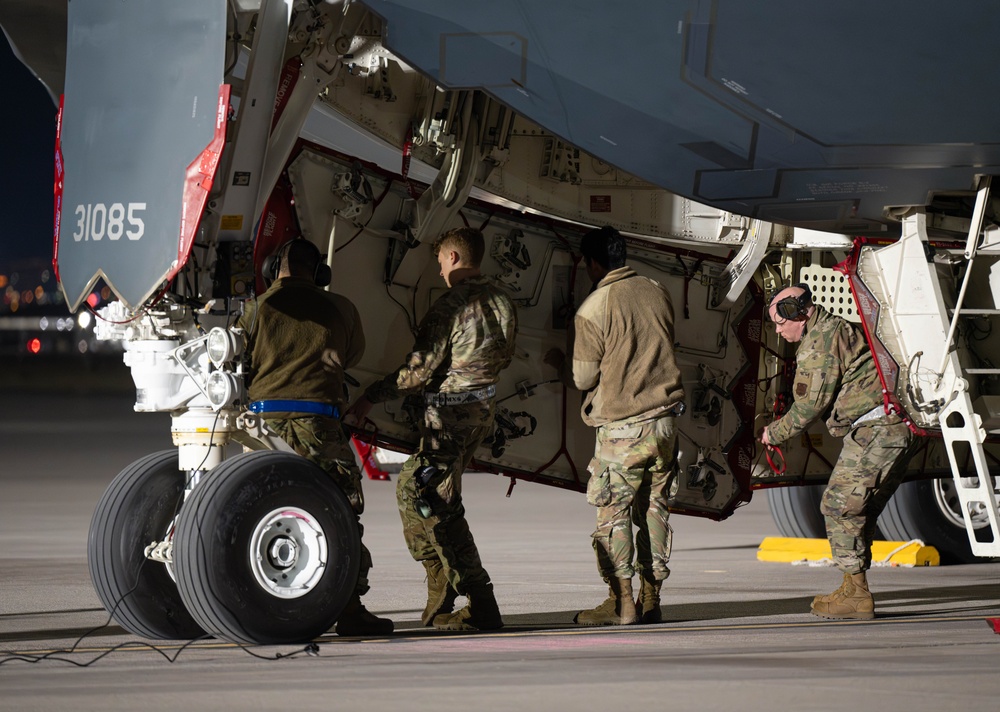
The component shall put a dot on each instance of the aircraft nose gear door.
(138, 142)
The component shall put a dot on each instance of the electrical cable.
(409, 320)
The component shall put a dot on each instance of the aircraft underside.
(197, 137)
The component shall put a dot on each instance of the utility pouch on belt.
(422, 478)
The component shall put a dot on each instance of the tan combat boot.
(648, 603)
(355, 619)
(618, 609)
(481, 613)
(440, 595)
(843, 590)
(853, 602)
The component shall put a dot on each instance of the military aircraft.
(739, 146)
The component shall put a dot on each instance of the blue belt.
(294, 406)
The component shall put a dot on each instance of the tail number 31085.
(95, 221)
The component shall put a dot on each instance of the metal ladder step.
(976, 312)
(961, 425)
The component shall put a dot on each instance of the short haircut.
(604, 246)
(468, 242)
(302, 258)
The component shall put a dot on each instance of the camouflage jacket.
(301, 338)
(834, 368)
(462, 344)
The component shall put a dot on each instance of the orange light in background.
(35, 345)
(3, 281)
(106, 293)
(93, 299)
(39, 292)
(27, 297)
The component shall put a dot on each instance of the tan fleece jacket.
(623, 350)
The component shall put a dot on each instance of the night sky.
(28, 121)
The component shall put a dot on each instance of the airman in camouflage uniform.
(449, 378)
(629, 481)
(835, 373)
(301, 338)
(623, 358)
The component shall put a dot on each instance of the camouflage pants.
(323, 441)
(870, 468)
(630, 478)
(449, 437)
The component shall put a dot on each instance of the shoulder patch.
(801, 389)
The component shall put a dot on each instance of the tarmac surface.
(737, 634)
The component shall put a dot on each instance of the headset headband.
(793, 308)
(272, 263)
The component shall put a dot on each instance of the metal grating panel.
(830, 289)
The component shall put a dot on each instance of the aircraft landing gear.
(136, 509)
(928, 510)
(267, 550)
(795, 511)
(931, 511)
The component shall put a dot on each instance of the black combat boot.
(481, 613)
(648, 603)
(355, 619)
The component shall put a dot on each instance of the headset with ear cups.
(272, 263)
(794, 308)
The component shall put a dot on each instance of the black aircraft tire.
(267, 550)
(136, 509)
(916, 512)
(795, 511)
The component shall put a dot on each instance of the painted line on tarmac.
(443, 636)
